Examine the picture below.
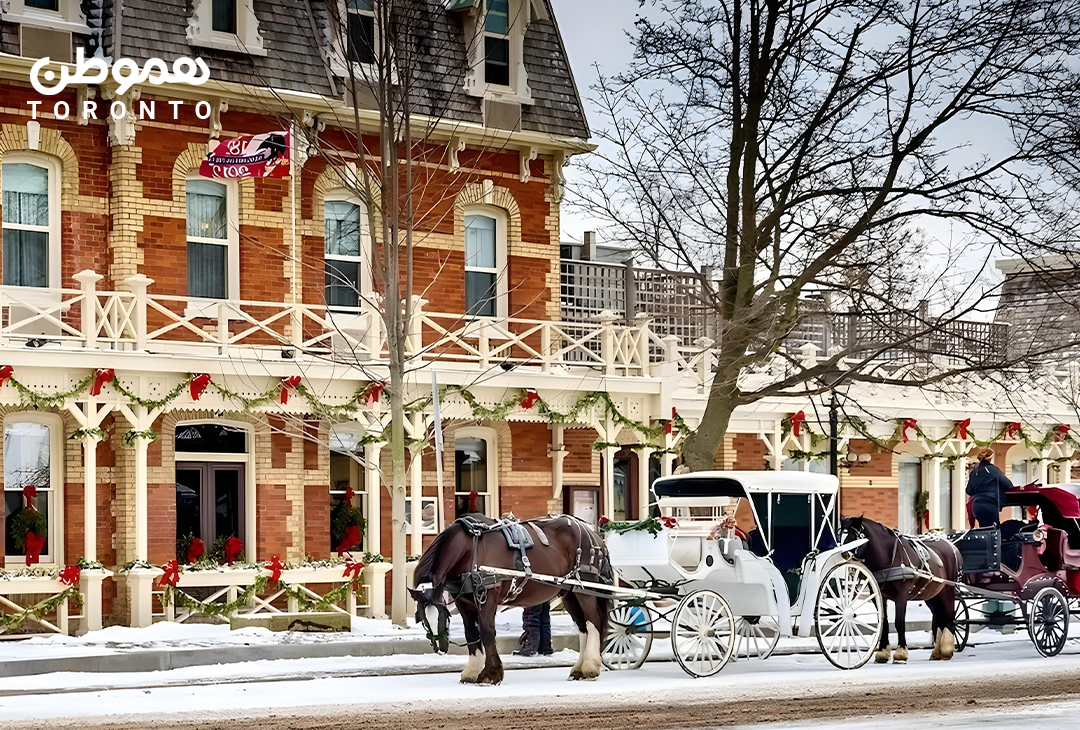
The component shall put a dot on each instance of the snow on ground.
(790, 675)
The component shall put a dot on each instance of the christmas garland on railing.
(12, 621)
(1013, 430)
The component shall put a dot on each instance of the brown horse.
(449, 570)
(902, 565)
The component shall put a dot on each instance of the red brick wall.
(317, 521)
(272, 509)
(161, 527)
(877, 503)
(750, 452)
(579, 450)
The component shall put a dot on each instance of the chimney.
(588, 248)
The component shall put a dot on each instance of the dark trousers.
(537, 624)
(986, 514)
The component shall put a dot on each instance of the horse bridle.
(441, 638)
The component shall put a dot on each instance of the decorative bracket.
(122, 130)
(526, 155)
(82, 95)
(455, 146)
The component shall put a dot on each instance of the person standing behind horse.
(987, 486)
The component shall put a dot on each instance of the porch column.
(416, 491)
(557, 452)
(1044, 468)
(644, 457)
(932, 480)
(607, 479)
(141, 517)
(90, 498)
(373, 487)
(959, 498)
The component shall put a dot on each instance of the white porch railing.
(135, 319)
(21, 593)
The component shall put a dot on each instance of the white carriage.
(719, 593)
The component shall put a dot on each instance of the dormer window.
(497, 43)
(224, 16)
(53, 5)
(361, 30)
(52, 14)
(495, 32)
(226, 25)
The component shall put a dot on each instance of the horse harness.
(906, 570)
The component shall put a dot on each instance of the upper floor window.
(53, 5)
(496, 48)
(360, 30)
(212, 259)
(224, 16)
(485, 262)
(345, 252)
(64, 15)
(227, 25)
(32, 458)
(497, 43)
(31, 222)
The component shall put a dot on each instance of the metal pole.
(834, 436)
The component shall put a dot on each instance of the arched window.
(346, 251)
(485, 262)
(33, 455)
(31, 220)
(213, 254)
(476, 470)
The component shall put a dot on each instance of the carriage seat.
(1058, 555)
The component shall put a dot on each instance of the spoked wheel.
(629, 637)
(1048, 621)
(703, 633)
(756, 636)
(961, 623)
(849, 615)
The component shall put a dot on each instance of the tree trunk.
(397, 491)
(699, 448)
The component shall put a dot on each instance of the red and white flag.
(258, 155)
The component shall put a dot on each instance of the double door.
(209, 500)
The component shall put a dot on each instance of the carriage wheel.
(1048, 621)
(849, 615)
(703, 633)
(756, 636)
(629, 637)
(961, 623)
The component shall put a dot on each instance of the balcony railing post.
(705, 365)
(88, 284)
(416, 326)
(641, 320)
(629, 293)
(138, 285)
(607, 320)
(223, 327)
(545, 347)
(373, 336)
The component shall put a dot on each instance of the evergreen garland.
(25, 521)
(11, 621)
(341, 517)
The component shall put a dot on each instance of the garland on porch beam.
(1061, 433)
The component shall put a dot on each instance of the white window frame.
(433, 529)
(364, 259)
(69, 17)
(502, 224)
(247, 39)
(337, 32)
(53, 554)
(522, 13)
(200, 306)
(350, 438)
(52, 168)
(491, 502)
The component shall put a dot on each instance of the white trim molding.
(247, 39)
(69, 16)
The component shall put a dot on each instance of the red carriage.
(1025, 574)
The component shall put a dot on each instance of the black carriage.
(1025, 574)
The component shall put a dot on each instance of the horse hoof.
(900, 656)
(882, 657)
(576, 674)
(490, 677)
(468, 680)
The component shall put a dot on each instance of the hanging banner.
(259, 155)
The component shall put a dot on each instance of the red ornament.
(30, 493)
(374, 391)
(195, 550)
(962, 429)
(290, 383)
(668, 427)
(198, 385)
(669, 522)
(349, 540)
(353, 569)
(350, 495)
(908, 423)
(796, 420)
(529, 399)
(1060, 432)
(34, 545)
(101, 377)
(69, 576)
(275, 567)
(172, 574)
(233, 547)
(6, 372)
(1012, 429)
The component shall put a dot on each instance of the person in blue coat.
(987, 486)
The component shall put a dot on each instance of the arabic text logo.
(125, 72)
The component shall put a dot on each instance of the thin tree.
(811, 150)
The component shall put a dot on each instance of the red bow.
(350, 538)
(670, 425)
(195, 550)
(908, 423)
(962, 429)
(30, 492)
(69, 576)
(352, 570)
(1060, 432)
(172, 574)
(602, 521)
(529, 399)
(233, 547)
(101, 377)
(374, 390)
(796, 420)
(198, 385)
(669, 522)
(275, 567)
(1012, 429)
(6, 372)
(350, 495)
(34, 545)
(472, 501)
(287, 384)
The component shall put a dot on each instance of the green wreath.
(342, 517)
(25, 521)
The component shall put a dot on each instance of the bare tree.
(806, 149)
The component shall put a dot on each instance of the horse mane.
(427, 569)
